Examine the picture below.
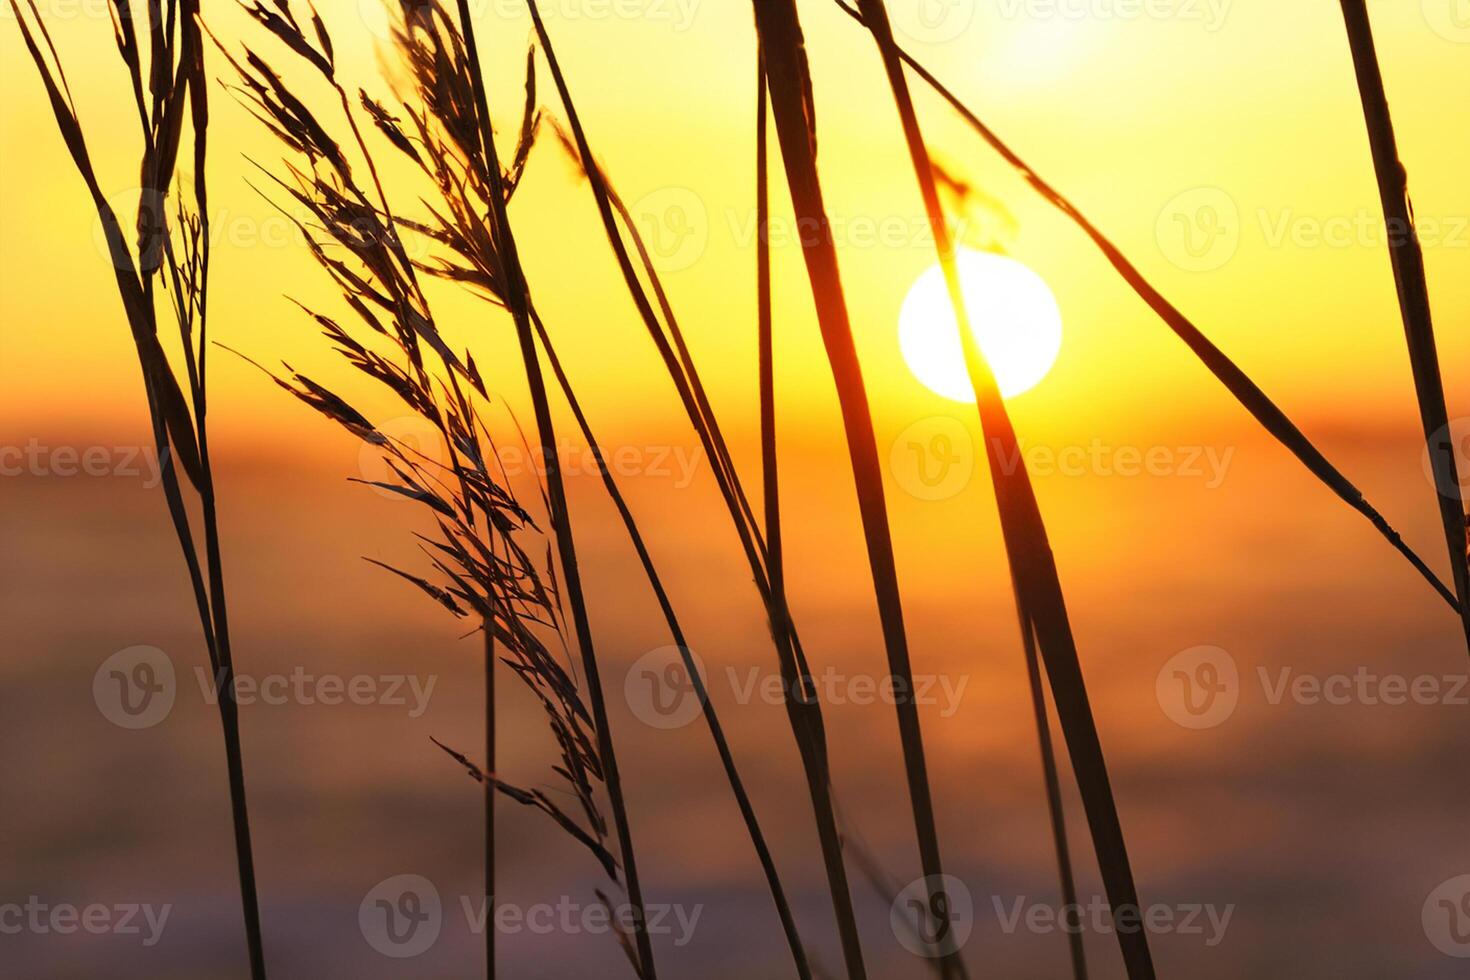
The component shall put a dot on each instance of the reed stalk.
(1407, 258)
(174, 93)
(1235, 380)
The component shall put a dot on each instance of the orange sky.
(1247, 108)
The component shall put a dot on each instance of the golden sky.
(1147, 115)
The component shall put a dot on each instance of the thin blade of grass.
(1038, 594)
(722, 746)
(518, 298)
(1251, 397)
(179, 435)
(1407, 257)
(802, 706)
(1056, 807)
(782, 46)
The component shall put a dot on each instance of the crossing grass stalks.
(165, 69)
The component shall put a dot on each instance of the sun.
(1012, 312)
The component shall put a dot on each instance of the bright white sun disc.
(1013, 315)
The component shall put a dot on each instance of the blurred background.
(1220, 145)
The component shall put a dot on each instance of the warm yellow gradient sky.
(1124, 110)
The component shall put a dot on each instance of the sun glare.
(1013, 315)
